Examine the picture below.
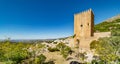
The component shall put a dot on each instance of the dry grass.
(56, 57)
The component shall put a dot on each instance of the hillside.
(113, 18)
(108, 25)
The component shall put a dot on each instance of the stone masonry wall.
(83, 26)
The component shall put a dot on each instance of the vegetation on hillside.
(28, 53)
(62, 48)
(107, 26)
(107, 49)
(21, 53)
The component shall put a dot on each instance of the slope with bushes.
(107, 49)
(107, 26)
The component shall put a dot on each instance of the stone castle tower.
(83, 26)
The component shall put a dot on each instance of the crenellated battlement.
(83, 12)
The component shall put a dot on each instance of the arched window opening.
(78, 41)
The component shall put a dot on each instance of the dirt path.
(58, 59)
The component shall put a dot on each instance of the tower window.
(88, 24)
(81, 25)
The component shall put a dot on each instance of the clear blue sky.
(42, 19)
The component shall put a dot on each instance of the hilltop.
(113, 18)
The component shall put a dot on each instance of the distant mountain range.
(34, 40)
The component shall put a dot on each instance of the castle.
(83, 27)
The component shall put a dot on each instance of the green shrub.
(64, 50)
(60, 46)
(115, 33)
(55, 42)
(107, 48)
(39, 59)
(94, 44)
(10, 62)
(94, 62)
(53, 49)
(42, 59)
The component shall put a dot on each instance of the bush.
(64, 50)
(97, 62)
(53, 49)
(107, 48)
(55, 42)
(94, 62)
(42, 59)
(60, 46)
(10, 62)
(94, 44)
(115, 33)
(12, 52)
